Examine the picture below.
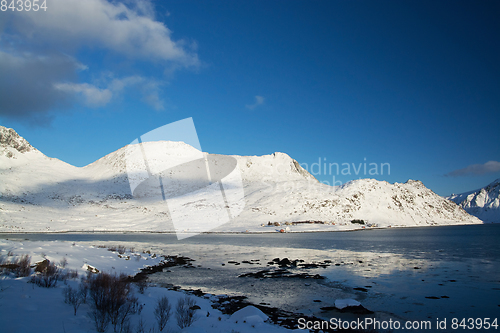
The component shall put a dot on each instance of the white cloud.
(98, 97)
(38, 75)
(476, 169)
(154, 100)
(259, 100)
(131, 32)
(149, 88)
(120, 84)
(151, 92)
(94, 97)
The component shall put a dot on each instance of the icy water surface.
(418, 273)
(412, 273)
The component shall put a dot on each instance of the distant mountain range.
(483, 203)
(42, 194)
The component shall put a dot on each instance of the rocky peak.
(10, 138)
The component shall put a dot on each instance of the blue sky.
(415, 84)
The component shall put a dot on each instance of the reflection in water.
(392, 284)
(417, 273)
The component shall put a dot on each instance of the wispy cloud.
(476, 169)
(94, 96)
(259, 100)
(149, 88)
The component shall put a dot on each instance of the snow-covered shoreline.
(246, 232)
(49, 313)
(222, 259)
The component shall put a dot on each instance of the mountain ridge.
(44, 194)
(10, 138)
(483, 203)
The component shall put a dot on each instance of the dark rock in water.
(263, 274)
(284, 262)
(445, 296)
(196, 292)
(230, 304)
(170, 261)
(279, 273)
(317, 301)
(361, 289)
(290, 320)
(328, 308)
(416, 267)
(178, 261)
(432, 297)
(195, 307)
(360, 309)
(276, 260)
(452, 280)
(313, 265)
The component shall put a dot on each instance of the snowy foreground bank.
(27, 307)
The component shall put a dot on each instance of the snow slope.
(376, 202)
(483, 203)
(42, 194)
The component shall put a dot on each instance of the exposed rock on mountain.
(483, 203)
(39, 193)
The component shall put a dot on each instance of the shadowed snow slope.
(38, 193)
(483, 203)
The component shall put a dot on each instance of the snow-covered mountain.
(483, 203)
(38, 193)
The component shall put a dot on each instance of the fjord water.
(408, 273)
